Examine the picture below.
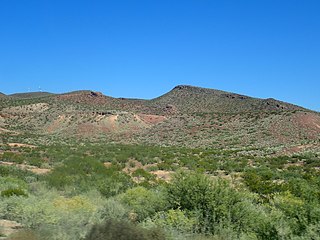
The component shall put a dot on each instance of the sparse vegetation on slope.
(186, 116)
(192, 164)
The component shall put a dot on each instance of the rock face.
(170, 109)
(96, 94)
(275, 104)
(181, 87)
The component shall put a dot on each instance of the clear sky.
(143, 48)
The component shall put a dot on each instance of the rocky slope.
(188, 116)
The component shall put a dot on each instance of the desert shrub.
(53, 216)
(12, 157)
(122, 230)
(34, 162)
(144, 203)
(142, 173)
(114, 183)
(173, 221)
(167, 166)
(312, 232)
(88, 174)
(233, 166)
(13, 192)
(114, 209)
(218, 206)
(300, 214)
(12, 182)
(14, 172)
(30, 211)
(208, 166)
(262, 181)
(189, 191)
(308, 190)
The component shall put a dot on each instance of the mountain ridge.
(180, 93)
(185, 116)
(218, 100)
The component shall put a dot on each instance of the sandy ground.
(8, 227)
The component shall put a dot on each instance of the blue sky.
(142, 49)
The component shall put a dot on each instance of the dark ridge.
(79, 92)
(277, 104)
(196, 89)
(209, 91)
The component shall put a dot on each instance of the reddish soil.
(296, 149)
(308, 120)
(87, 129)
(85, 97)
(152, 119)
(56, 123)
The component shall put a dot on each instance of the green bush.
(12, 157)
(300, 214)
(53, 216)
(217, 205)
(14, 172)
(189, 191)
(144, 203)
(263, 181)
(12, 182)
(173, 220)
(113, 209)
(88, 174)
(35, 162)
(13, 192)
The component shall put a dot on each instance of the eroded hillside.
(185, 116)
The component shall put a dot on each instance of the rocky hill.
(189, 99)
(185, 116)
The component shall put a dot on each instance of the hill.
(186, 116)
(189, 99)
(81, 155)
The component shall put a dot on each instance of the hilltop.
(189, 99)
